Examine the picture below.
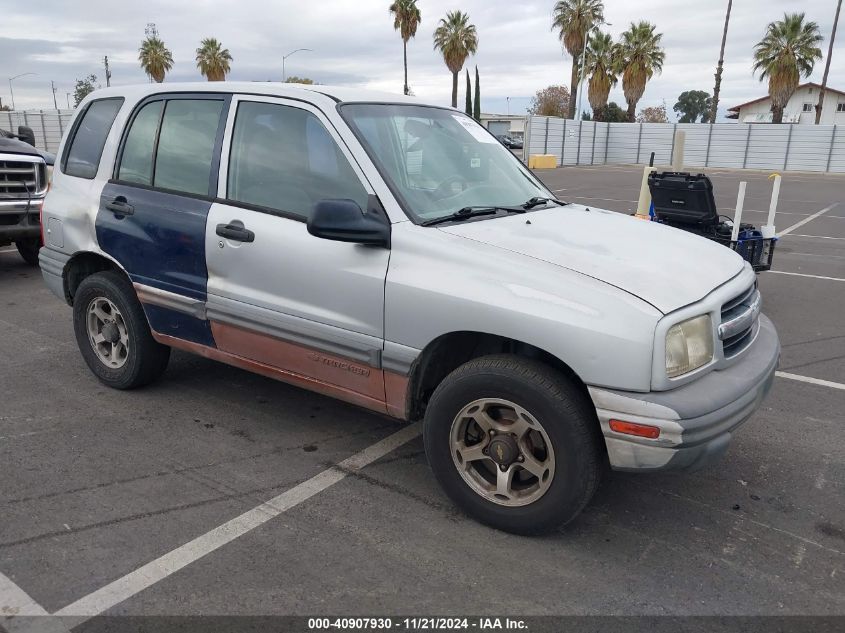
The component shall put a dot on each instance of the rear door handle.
(119, 206)
(235, 231)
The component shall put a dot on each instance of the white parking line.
(818, 237)
(783, 272)
(8, 250)
(807, 219)
(812, 381)
(162, 567)
(19, 613)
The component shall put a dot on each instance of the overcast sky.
(354, 43)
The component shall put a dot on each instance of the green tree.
(693, 104)
(573, 19)
(456, 39)
(639, 55)
(600, 64)
(83, 88)
(476, 111)
(213, 61)
(468, 105)
(551, 101)
(614, 114)
(299, 80)
(406, 19)
(155, 58)
(788, 51)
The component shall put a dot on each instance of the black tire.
(561, 409)
(28, 248)
(146, 359)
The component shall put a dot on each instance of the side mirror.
(26, 135)
(344, 221)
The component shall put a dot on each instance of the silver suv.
(394, 255)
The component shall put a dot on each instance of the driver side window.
(283, 158)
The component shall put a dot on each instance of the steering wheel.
(444, 189)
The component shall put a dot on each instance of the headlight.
(689, 345)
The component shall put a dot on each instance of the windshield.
(438, 161)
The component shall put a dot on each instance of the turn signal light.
(632, 428)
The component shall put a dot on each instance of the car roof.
(326, 95)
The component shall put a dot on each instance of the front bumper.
(696, 420)
(19, 219)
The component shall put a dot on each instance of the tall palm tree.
(213, 60)
(639, 55)
(406, 19)
(787, 51)
(456, 39)
(600, 63)
(717, 87)
(574, 18)
(155, 58)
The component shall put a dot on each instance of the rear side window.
(82, 158)
(283, 158)
(186, 145)
(136, 163)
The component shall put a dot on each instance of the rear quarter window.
(82, 157)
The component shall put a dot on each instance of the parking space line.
(19, 613)
(783, 272)
(818, 237)
(807, 219)
(7, 250)
(811, 380)
(162, 567)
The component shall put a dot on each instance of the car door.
(276, 294)
(153, 211)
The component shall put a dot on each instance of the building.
(801, 107)
(507, 124)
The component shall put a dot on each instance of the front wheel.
(28, 248)
(513, 443)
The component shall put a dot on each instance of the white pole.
(769, 229)
(740, 200)
(644, 201)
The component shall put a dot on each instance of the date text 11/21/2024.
(417, 624)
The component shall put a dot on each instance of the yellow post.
(645, 195)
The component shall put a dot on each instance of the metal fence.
(48, 125)
(785, 147)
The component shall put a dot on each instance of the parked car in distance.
(509, 141)
(24, 176)
(411, 265)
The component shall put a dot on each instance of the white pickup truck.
(395, 255)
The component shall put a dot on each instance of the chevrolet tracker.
(395, 255)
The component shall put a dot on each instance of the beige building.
(801, 107)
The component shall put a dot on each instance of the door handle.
(119, 206)
(235, 231)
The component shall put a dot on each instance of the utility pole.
(827, 65)
(67, 96)
(53, 86)
(715, 106)
(108, 72)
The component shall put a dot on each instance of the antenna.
(53, 86)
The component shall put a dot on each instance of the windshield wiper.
(537, 201)
(472, 212)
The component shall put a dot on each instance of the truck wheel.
(113, 335)
(513, 443)
(28, 248)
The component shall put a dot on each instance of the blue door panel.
(179, 325)
(162, 244)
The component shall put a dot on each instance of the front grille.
(738, 309)
(18, 179)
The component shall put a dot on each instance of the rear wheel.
(513, 443)
(28, 248)
(113, 335)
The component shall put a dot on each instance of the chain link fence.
(785, 147)
(48, 125)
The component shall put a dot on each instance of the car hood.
(666, 267)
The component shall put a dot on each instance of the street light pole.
(284, 57)
(12, 92)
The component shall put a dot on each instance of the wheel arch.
(84, 264)
(449, 351)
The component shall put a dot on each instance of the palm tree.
(406, 19)
(213, 60)
(639, 56)
(155, 58)
(456, 39)
(715, 103)
(574, 18)
(601, 65)
(787, 51)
